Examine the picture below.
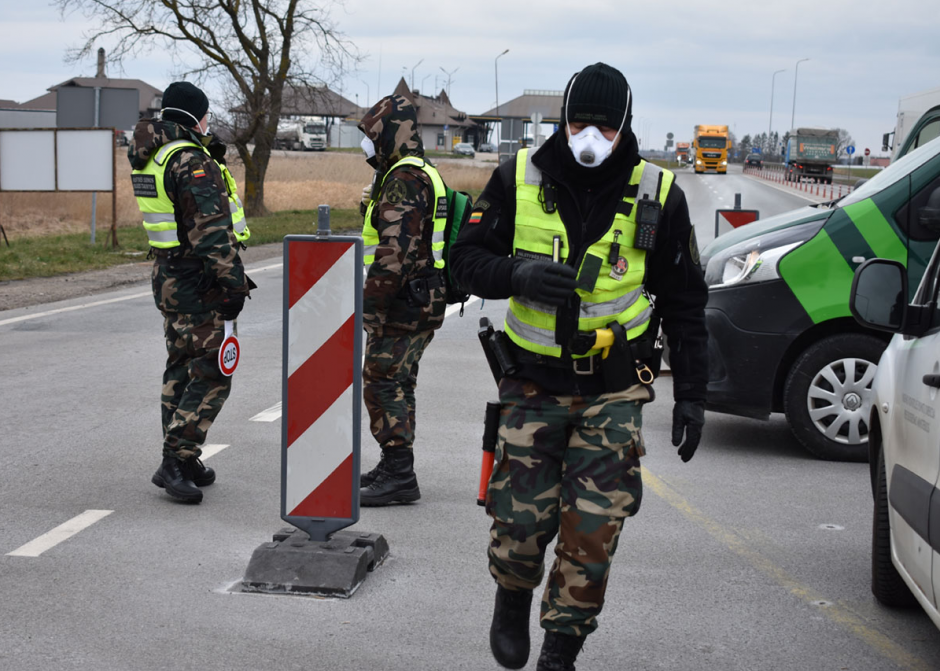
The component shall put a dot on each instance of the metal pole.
(94, 195)
(795, 75)
(368, 92)
(323, 221)
(771, 124)
(413, 73)
(499, 119)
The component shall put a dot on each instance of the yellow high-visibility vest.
(159, 217)
(370, 236)
(617, 293)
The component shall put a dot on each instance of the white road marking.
(48, 313)
(61, 533)
(272, 414)
(210, 450)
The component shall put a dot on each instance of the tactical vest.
(157, 208)
(370, 236)
(608, 292)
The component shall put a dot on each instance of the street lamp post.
(795, 75)
(424, 80)
(496, 72)
(368, 92)
(449, 75)
(413, 73)
(771, 125)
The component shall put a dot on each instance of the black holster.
(498, 354)
(418, 290)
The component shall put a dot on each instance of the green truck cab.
(782, 338)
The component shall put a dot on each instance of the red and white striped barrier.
(779, 175)
(322, 387)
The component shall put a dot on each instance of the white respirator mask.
(589, 147)
(368, 147)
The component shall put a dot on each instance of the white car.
(904, 443)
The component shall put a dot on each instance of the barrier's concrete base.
(293, 564)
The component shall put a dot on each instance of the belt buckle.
(580, 371)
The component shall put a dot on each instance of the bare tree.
(247, 47)
(845, 140)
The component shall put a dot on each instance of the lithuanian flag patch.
(475, 217)
(199, 172)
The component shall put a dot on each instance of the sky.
(687, 62)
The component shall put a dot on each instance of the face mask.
(590, 147)
(368, 147)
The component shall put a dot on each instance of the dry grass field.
(295, 181)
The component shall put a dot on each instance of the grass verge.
(45, 256)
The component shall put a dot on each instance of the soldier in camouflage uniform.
(198, 279)
(403, 298)
(555, 232)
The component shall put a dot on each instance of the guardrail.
(777, 174)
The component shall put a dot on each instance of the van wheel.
(827, 396)
(886, 583)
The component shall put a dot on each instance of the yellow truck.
(710, 148)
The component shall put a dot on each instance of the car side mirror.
(879, 295)
(929, 215)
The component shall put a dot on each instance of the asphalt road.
(752, 556)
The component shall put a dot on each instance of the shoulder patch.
(475, 217)
(395, 191)
(693, 248)
(482, 205)
(199, 172)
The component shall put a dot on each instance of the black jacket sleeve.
(675, 280)
(481, 257)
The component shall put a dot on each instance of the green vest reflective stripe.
(616, 295)
(159, 218)
(370, 236)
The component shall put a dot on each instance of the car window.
(927, 133)
(893, 173)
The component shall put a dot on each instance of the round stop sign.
(867, 151)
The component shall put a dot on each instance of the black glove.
(544, 281)
(687, 417)
(216, 149)
(232, 304)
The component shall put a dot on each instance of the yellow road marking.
(839, 615)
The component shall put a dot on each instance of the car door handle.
(932, 380)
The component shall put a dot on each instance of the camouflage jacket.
(195, 276)
(403, 217)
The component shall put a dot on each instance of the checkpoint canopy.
(322, 383)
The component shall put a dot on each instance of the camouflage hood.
(392, 125)
(151, 134)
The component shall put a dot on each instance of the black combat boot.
(201, 475)
(367, 479)
(170, 477)
(509, 633)
(559, 652)
(396, 482)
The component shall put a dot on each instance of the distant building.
(440, 125)
(150, 97)
(321, 102)
(515, 117)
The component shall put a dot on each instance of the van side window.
(907, 215)
(929, 132)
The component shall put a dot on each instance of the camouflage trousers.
(389, 377)
(566, 466)
(194, 388)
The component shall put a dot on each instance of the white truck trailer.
(919, 112)
(301, 134)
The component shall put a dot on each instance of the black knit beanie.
(184, 96)
(598, 95)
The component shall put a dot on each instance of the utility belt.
(171, 261)
(418, 291)
(623, 362)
